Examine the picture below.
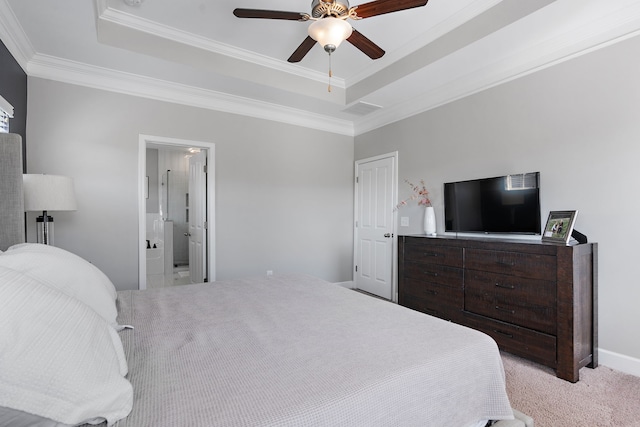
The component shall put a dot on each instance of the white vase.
(429, 221)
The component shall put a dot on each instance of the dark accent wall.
(13, 88)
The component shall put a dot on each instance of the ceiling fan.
(329, 26)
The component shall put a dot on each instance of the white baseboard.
(619, 362)
(349, 285)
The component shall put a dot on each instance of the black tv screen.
(505, 204)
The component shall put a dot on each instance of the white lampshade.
(330, 32)
(48, 193)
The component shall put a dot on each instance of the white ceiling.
(197, 53)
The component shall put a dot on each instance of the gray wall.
(577, 123)
(284, 194)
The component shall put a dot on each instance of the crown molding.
(66, 71)
(121, 18)
(14, 37)
(608, 29)
(620, 25)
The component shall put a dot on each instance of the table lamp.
(47, 193)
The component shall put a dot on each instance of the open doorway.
(176, 212)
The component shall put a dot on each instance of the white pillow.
(67, 273)
(59, 359)
(92, 272)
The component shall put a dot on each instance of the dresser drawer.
(430, 298)
(442, 294)
(440, 274)
(421, 250)
(533, 266)
(520, 341)
(518, 300)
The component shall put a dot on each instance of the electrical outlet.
(269, 272)
(404, 221)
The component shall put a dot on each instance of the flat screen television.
(504, 204)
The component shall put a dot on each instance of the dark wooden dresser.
(536, 300)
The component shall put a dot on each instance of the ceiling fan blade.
(271, 14)
(380, 7)
(367, 47)
(302, 50)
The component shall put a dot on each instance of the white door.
(197, 217)
(375, 227)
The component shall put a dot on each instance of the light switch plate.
(404, 221)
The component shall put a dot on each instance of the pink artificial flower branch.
(420, 193)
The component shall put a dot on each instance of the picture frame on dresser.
(559, 226)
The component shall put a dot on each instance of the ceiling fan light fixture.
(330, 32)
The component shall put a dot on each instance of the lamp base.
(44, 229)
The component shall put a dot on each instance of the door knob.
(187, 234)
(387, 235)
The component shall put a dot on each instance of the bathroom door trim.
(143, 142)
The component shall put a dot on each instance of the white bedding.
(298, 351)
(58, 358)
(66, 272)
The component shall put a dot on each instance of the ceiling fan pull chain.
(330, 73)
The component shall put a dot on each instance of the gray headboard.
(11, 198)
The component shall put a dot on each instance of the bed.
(290, 350)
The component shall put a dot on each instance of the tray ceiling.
(197, 53)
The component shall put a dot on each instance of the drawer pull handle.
(431, 292)
(506, 310)
(429, 273)
(508, 263)
(433, 254)
(500, 285)
(506, 334)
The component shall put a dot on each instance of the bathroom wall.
(153, 202)
(168, 172)
(154, 223)
(173, 166)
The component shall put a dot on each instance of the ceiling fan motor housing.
(322, 8)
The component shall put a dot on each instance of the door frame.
(356, 214)
(143, 142)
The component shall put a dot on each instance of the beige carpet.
(602, 398)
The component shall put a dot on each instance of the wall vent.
(522, 181)
(362, 108)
